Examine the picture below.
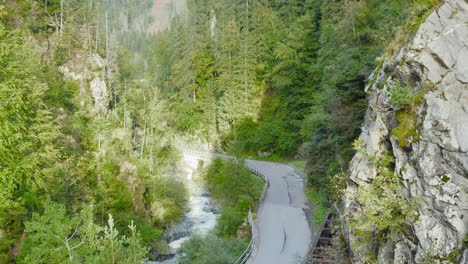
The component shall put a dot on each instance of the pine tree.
(54, 237)
(27, 133)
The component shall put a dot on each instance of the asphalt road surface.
(283, 235)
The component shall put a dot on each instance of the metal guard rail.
(251, 247)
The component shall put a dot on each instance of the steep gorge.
(253, 78)
(428, 140)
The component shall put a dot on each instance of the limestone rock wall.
(89, 70)
(434, 165)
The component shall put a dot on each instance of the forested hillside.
(90, 103)
(84, 176)
(280, 78)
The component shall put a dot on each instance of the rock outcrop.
(89, 71)
(431, 154)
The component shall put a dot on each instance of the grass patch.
(255, 156)
(298, 165)
(273, 157)
(401, 95)
(321, 205)
(406, 101)
(317, 197)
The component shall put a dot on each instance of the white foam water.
(201, 215)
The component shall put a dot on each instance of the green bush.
(210, 249)
(321, 204)
(230, 220)
(406, 101)
(401, 96)
(236, 189)
(384, 210)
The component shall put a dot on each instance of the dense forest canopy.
(285, 78)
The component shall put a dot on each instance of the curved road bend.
(283, 232)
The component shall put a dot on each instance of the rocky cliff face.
(89, 71)
(430, 146)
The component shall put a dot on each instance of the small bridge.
(205, 155)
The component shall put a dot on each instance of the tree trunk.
(107, 48)
(245, 47)
(61, 19)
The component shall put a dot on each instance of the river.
(201, 213)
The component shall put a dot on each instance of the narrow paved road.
(283, 233)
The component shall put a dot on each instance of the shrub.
(321, 204)
(235, 189)
(210, 249)
(401, 96)
(384, 209)
(406, 101)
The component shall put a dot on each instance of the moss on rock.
(406, 131)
